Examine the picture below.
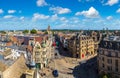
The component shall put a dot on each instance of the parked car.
(55, 73)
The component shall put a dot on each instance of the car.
(55, 73)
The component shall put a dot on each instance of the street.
(70, 67)
(86, 70)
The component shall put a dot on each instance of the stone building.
(81, 46)
(42, 53)
(109, 56)
(97, 36)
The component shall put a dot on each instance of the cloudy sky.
(59, 14)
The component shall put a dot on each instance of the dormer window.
(118, 45)
(110, 45)
(105, 44)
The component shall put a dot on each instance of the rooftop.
(6, 53)
(7, 62)
(112, 38)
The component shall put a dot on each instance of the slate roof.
(114, 45)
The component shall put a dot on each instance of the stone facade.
(109, 58)
(81, 46)
(42, 53)
(84, 44)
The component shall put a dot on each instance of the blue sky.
(59, 14)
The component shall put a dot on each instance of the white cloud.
(91, 13)
(22, 18)
(102, 1)
(78, 13)
(54, 17)
(41, 3)
(8, 16)
(112, 2)
(1, 11)
(109, 18)
(118, 11)
(11, 11)
(37, 16)
(74, 20)
(99, 21)
(60, 10)
(63, 19)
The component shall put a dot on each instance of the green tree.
(26, 31)
(3, 32)
(46, 32)
(33, 31)
(105, 76)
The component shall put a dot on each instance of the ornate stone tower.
(48, 29)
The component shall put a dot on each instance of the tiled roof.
(26, 40)
(29, 48)
(110, 45)
(14, 39)
(38, 39)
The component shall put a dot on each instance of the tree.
(26, 31)
(3, 32)
(46, 32)
(105, 76)
(33, 31)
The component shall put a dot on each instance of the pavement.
(71, 67)
(86, 70)
(61, 65)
